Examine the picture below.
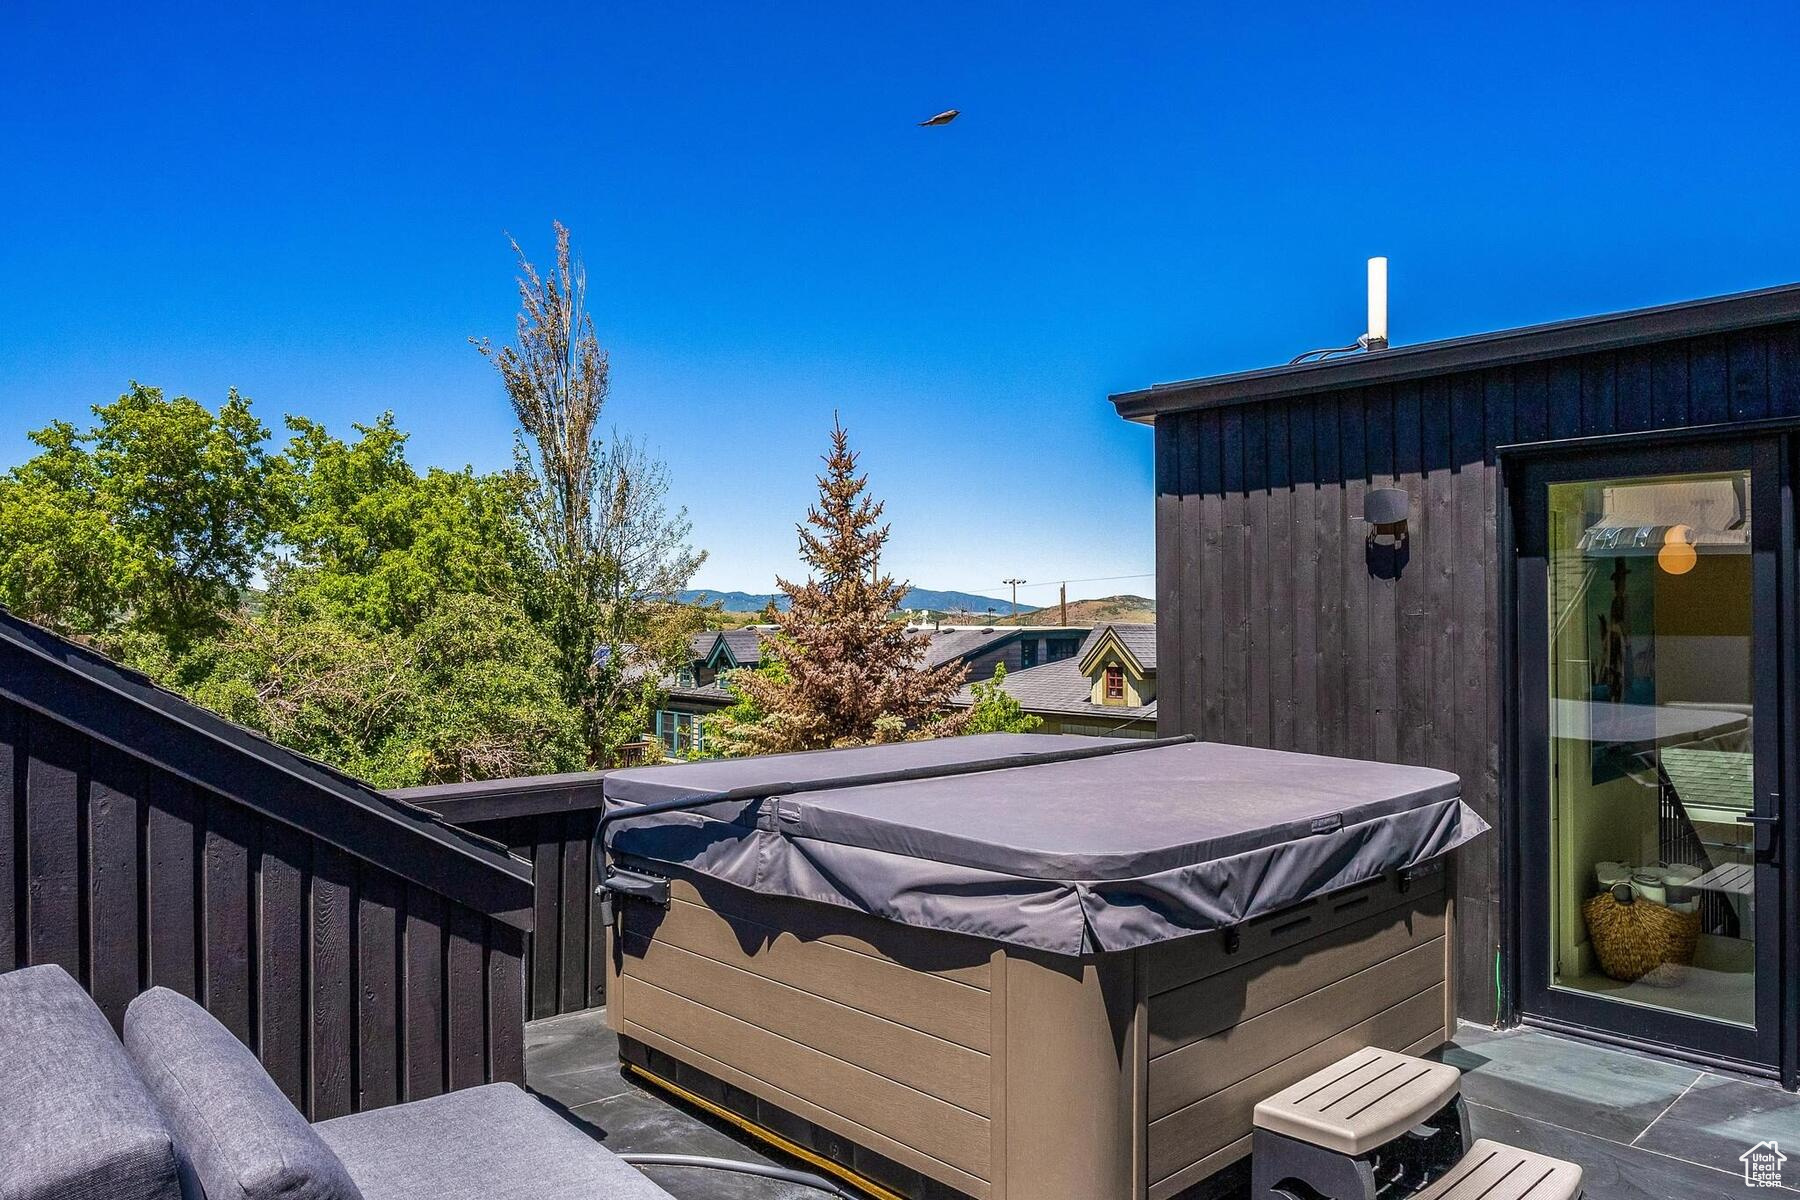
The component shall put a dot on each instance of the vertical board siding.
(1290, 631)
(332, 969)
(564, 958)
(115, 953)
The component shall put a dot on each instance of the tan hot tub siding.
(1009, 1075)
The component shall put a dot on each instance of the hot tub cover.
(1075, 856)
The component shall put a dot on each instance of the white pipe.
(1378, 296)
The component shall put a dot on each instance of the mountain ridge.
(916, 597)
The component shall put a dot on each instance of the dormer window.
(1114, 688)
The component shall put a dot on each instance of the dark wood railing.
(548, 819)
(356, 985)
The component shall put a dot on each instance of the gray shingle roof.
(949, 644)
(1059, 688)
(745, 644)
(1139, 639)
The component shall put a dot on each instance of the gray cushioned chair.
(184, 1111)
(485, 1143)
(234, 1130)
(76, 1122)
(246, 1141)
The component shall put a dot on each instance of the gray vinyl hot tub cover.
(1072, 857)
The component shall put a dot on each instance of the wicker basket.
(1641, 941)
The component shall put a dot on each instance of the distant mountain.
(914, 598)
(1124, 610)
(731, 601)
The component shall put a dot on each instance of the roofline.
(1105, 634)
(498, 799)
(1133, 713)
(1582, 335)
(123, 708)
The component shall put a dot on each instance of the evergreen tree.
(850, 672)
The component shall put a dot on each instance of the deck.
(1642, 1128)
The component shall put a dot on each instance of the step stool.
(1378, 1119)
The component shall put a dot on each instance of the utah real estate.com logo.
(1762, 1164)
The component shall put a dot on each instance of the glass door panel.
(1652, 712)
(1648, 735)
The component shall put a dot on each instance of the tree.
(996, 711)
(469, 694)
(142, 533)
(609, 550)
(394, 639)
(376, 545)
(852, 673)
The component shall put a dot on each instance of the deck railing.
(548, 819)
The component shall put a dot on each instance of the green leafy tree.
(395, 640)
(469, 694)
(141, 533)
(995, 711)
(733, 729)
(610, 551)
(376, 544)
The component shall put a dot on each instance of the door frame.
(1773, 450)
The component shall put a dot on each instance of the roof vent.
(1377, 336)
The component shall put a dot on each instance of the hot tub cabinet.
(845, 1004)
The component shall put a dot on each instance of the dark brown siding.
(549, 821)
(332, 969)
(1279, 628)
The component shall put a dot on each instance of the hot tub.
(1022, 967)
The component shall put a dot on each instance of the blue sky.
(311, 206)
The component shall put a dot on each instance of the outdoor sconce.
(1385, 511)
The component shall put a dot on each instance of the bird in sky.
(943, 118)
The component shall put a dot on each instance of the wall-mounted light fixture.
(1385, 510)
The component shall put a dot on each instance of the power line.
(1057, 582)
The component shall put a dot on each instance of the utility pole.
(1015, 593)
(1064, 593)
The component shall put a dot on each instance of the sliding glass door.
(1649, 718)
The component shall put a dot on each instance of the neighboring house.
(699, 688)
(1108, 687)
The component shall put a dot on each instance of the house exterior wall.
(1086, 727)
(1138, 690)
(1279, 628)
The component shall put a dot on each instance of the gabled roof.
(1584, 335)
(1061, 688)
(1135, 643)
(737, 647)
(76, 686)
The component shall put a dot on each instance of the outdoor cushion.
(234, 1130)
(485, 1143)
(76, 1122)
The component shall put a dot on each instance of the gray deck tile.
(1610, 1171)
(1608, 1093)
(1556, 1095)
(572, 1062)
(1718, 1119)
